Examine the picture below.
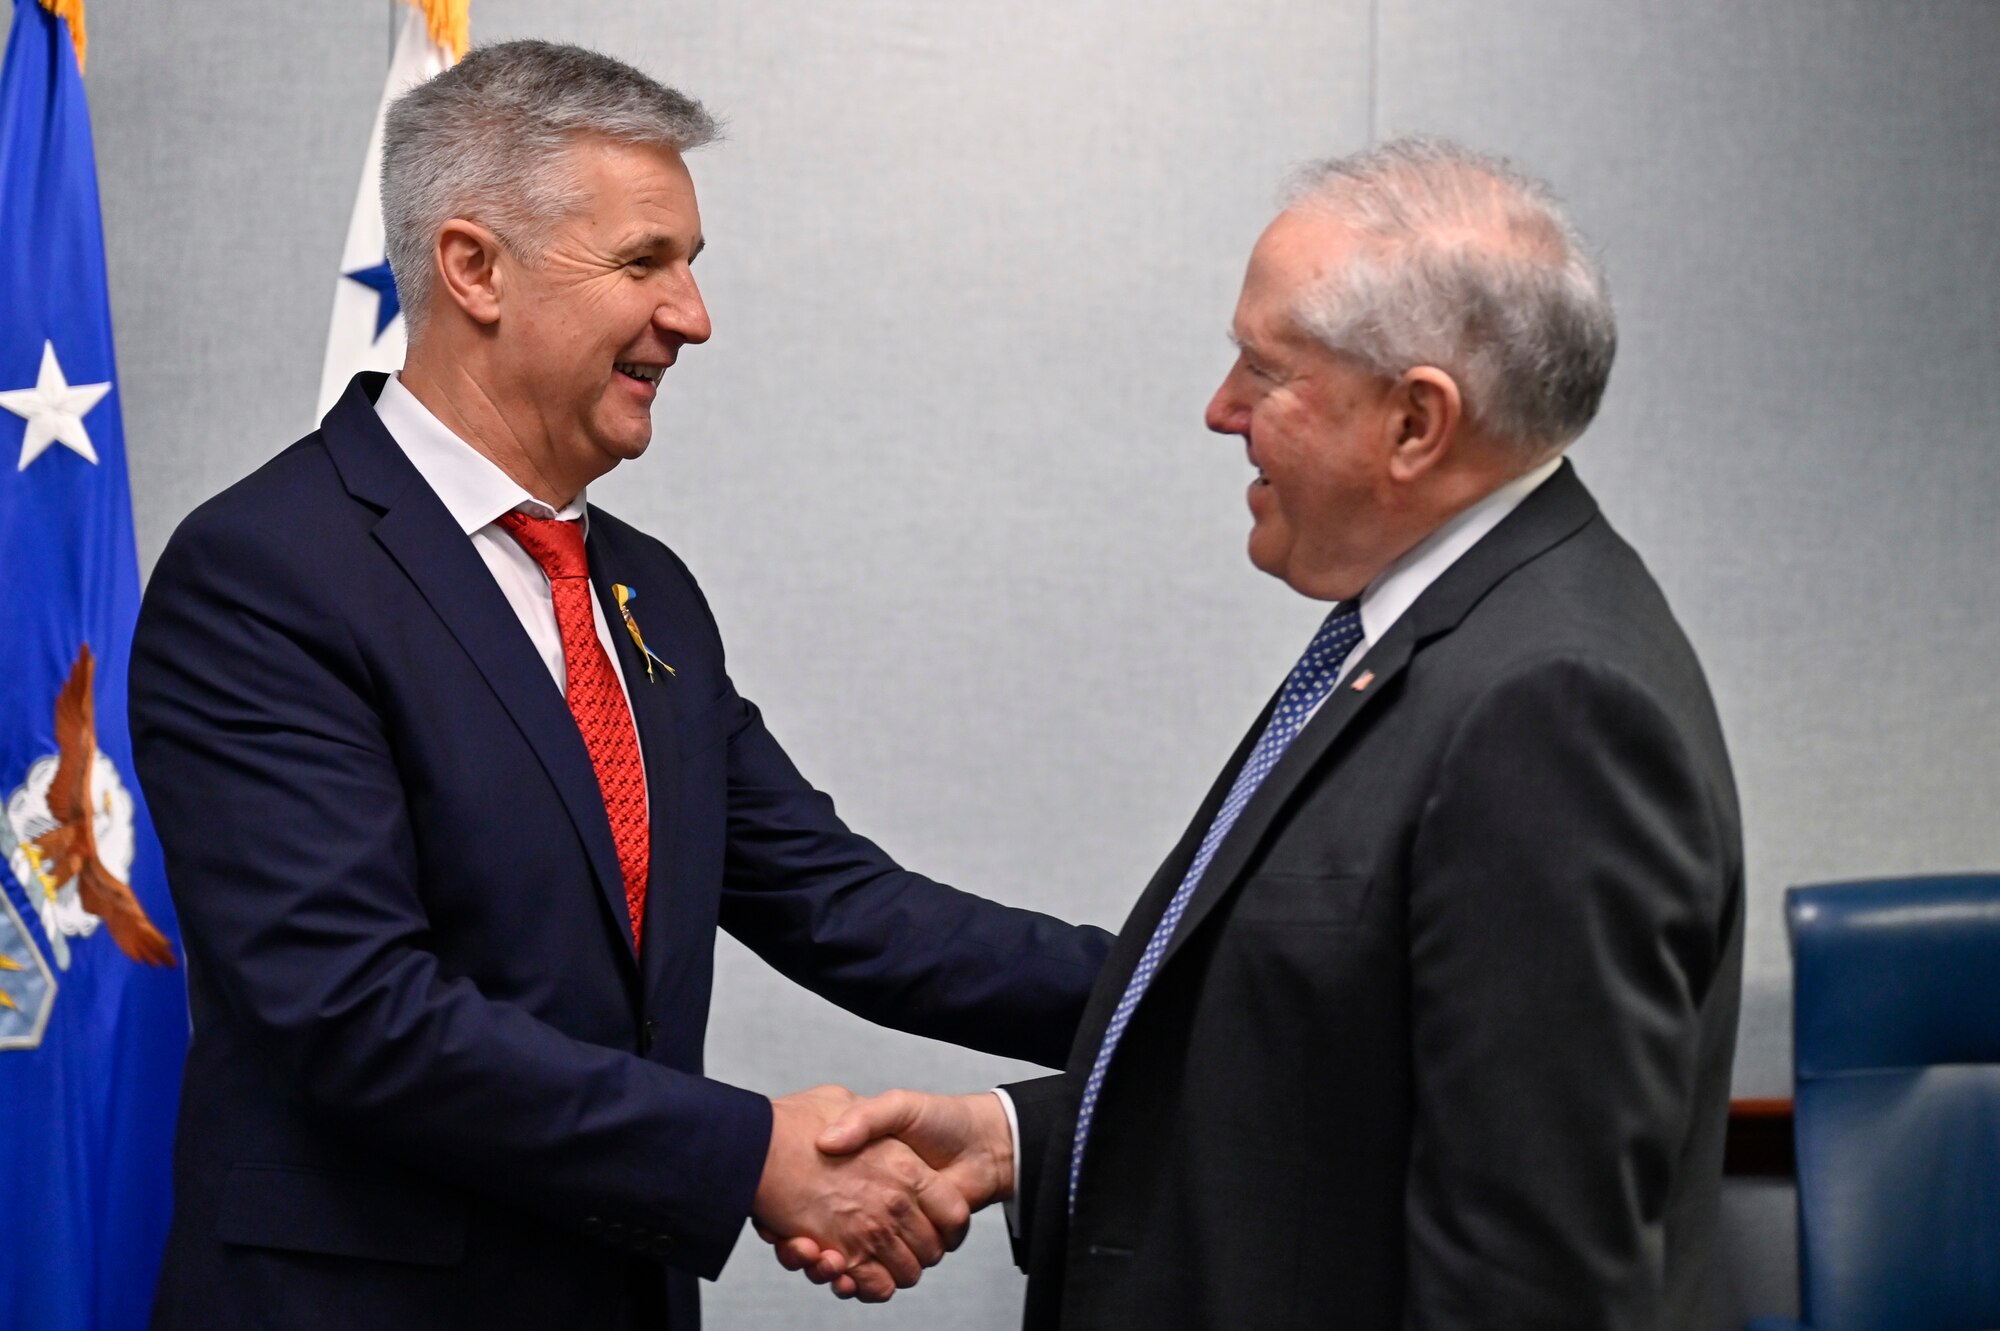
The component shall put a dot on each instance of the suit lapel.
(420, 535)
(656, 715)
(1554, 512)
(1382, 664)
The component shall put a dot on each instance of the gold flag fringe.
(450, 23)
(73, 11)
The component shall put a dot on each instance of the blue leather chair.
(1896, 1054)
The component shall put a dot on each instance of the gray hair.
(488, 140)
(1466, 264)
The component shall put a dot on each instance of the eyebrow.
(660, 240)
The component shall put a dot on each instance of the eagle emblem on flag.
(71, 838)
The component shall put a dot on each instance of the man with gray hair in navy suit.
(455, 791)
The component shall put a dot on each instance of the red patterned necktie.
(595, 698)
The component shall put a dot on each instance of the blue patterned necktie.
(1310, 681)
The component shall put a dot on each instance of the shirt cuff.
(1011, 1208)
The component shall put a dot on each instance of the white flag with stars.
(367, 326)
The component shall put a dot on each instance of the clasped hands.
(862, 1194)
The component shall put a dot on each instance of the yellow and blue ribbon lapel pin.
(627, 595)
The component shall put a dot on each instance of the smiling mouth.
(645, 374)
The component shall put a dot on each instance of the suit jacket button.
(648, 1034)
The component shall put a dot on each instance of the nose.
(1228, 412)
(682, 314)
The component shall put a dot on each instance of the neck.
(1474, 468)
(1461, 479)
(460, 400)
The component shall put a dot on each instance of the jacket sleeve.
(272, 778)
(829, 909)
(1046, 1110)
(1573, 889)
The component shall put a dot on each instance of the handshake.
(864, 1194)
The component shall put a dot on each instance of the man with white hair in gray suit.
(1427, 1021)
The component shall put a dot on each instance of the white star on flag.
(54, 410)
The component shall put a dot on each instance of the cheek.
(1285, 449)
(1315, 499)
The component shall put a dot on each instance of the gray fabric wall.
(942, 469)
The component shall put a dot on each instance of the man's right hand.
(965, 1138)
(872, 1216)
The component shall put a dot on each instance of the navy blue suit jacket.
(432, 1084)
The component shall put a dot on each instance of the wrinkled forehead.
(1298, 250)
(1302, 245)
(630, 184)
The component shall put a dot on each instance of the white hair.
(489, 140)
(1468, 265)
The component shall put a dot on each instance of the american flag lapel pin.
(1367, 678)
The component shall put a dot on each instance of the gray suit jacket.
(1444, 1037)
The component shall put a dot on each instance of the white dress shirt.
(1394, 590)
(477, 494)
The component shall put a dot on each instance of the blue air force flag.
(93, 1017)
(367, 327)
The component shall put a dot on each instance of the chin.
(625, 444)
(1268, 553)
(1313, 583)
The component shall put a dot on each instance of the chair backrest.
(1896, 1048)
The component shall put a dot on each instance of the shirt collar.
(474, 489)
(1397, 587)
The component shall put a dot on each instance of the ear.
(1423, 420)
(468, 261)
